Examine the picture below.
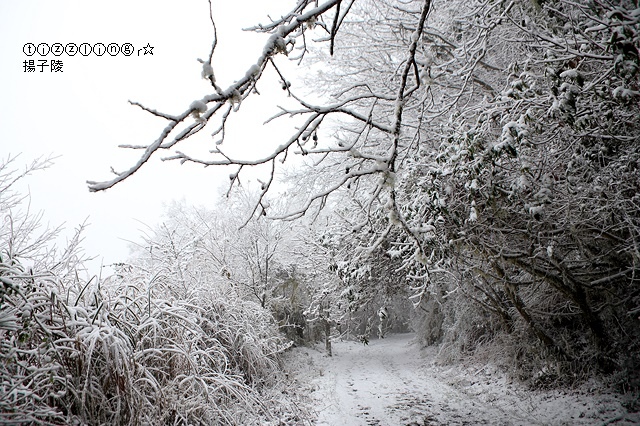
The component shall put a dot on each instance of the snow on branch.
(395, 214)
(284, 32)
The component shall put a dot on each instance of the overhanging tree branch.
(290, 26)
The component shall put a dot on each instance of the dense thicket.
(515, 180)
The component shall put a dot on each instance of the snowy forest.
(466, 171)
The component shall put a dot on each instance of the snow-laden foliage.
(512, 207)
(488, 150)
(261, 260)
(145, 346)
(517, 185)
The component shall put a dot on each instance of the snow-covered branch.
(284, 32)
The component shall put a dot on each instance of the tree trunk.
(537, 330)
(327, 336)
(512, 293)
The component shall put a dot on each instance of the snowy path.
(392, 382)
(371, 385)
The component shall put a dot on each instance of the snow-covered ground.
(392, 382)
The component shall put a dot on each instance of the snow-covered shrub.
(130, 349)
(203, 357)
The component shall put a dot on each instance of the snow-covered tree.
(489, 151)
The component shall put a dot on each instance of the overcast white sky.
(82, 114)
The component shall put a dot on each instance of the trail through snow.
(392, 382)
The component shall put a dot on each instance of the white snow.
(393, 382)
(570, 73)
(198, 106)
(207, 70)
(473, 214)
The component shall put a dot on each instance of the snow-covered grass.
(122, 355)
(393, 382)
